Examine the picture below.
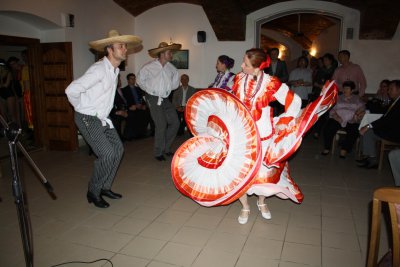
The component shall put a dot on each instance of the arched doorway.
(296, 33)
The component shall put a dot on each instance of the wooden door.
(60, 132)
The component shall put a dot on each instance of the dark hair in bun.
(227, 61)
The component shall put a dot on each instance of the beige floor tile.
(303, 236)
(178, 254)
(305, 221)
(54, 229)
(130, 226)
(263, 248)
(226, 242)
(313, 208)
(292, 264)
(335, 211)
(185, 204)
(213, 211)
(301, 253)
(128, 261)
(215, 258)
(268, 230)
(160, 264)
(174, 217)
(229, 225)
(338, 225)
(332, 257)
(102, 221)
(203, 221)
(246, 260)
(142, 247)
(146, 213)
(344, 241)
(192, 236)
(97, 238)
(158, 230)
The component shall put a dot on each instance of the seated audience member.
(137, 109)
(380, 102)
(300, 80)
(387, 127)
(346, 114)
(179, 99)
(119, 111)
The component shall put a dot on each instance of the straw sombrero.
(131, 41)
(163, 46)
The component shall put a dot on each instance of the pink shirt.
(351, 72)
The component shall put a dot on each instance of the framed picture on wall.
(180, 59)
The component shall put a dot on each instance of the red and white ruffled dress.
(238, 146)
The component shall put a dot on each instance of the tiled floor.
(154, 225)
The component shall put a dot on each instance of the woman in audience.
(324, 74)
(300, 80)
(224, 79)
(381, 101)
(347, 114)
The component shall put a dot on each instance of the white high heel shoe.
(241, 219)
(265, 215)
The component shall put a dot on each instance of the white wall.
(93, 20)
(181, 23)
(326, 42)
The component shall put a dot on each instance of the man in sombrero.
(92, 97)
(158, 78)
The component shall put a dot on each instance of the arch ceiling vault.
(379, 18)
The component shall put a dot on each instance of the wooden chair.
(391, 195)
(385, 146)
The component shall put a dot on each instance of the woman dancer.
(239, 148)
(224, 79)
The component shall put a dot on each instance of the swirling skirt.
(226, 157)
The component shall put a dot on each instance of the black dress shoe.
(98, 201)
(160, 158)
(110, 194)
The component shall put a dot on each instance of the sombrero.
(163, 46)
(131, 41)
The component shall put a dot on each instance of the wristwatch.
(369, 126)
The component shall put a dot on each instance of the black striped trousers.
(108, 148)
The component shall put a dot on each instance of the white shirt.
(301, 74)
(93, 93)
(184, 91)
(158, 80)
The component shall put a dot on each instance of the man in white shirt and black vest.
(92, 97)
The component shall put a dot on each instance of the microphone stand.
(12, 132)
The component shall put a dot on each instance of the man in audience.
(348, 71)
(137, 107)
(119, 112)
(158, 78)
(181, 96)
(277, 67)
(387, 127)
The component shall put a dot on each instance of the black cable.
(85, 262)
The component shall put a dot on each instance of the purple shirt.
(346, 108)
